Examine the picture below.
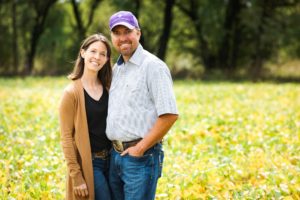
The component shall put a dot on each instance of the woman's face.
(95, 56)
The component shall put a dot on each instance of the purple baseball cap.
(124, 18)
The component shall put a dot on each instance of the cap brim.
(122, 24)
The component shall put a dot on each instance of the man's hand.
(134, 151)
(81, 190)
(156, 134)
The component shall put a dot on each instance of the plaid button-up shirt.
(141, 90)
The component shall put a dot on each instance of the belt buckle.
(102, 154)
(118, 146)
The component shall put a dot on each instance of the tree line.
(43, 37)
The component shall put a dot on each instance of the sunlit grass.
(232, 141)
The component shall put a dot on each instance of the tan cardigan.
(75, 140)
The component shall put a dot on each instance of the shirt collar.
(120, 60)
(136, 58)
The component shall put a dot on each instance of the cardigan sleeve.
(66, 116)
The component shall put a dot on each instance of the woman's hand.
(81, 190)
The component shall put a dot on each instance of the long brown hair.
(105, 74)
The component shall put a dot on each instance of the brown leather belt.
(101, 154)
(120, 146)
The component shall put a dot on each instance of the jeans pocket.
(142, 158)
(160, 162)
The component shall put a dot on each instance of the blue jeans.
(132, 177)
(102, 190)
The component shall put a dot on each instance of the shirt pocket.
(132, 85)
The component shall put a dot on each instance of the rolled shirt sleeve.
(161, 88)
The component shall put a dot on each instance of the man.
(141, 110)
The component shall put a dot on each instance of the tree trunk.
(38, 29)
(93, 7)
(137, 7)
(14, 39)
(228, 50)
(259, 52)
(80, 28)
(164, 38)
(208, 58)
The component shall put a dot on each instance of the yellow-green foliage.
(232, 141)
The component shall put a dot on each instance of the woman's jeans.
(132, 177)
(102, 190)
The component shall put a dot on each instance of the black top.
(96, 112)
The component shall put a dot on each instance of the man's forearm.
(159, 130)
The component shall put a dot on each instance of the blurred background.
(236, 139)
(199, 39)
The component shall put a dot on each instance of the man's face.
(125, 40)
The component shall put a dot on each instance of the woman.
(82, 112)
